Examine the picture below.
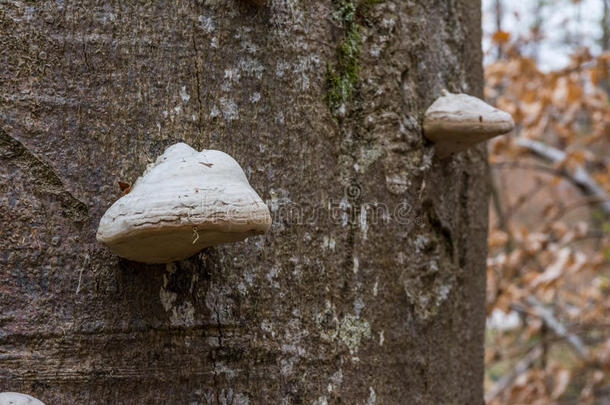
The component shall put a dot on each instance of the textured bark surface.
(338, 305)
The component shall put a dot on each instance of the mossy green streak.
(343, 78)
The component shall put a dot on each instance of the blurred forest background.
(548, 332)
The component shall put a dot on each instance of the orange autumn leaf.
(125, 187)
(575, 93)
(598, 74)
(500, 37)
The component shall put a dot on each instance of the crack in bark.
(220, 347)
(44, 177)
(198, 81)
(462, 242)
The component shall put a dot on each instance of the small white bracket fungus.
(184, 202)
(455, 122)
(15, 398)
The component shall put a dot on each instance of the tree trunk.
(369, 288)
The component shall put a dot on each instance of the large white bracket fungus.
(15, 398)
(184, 202)
(455, 122)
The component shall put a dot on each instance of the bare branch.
(521, 367)
(578, 176)
(539, 310)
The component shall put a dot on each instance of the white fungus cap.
(184, 202)
(16, 398)
(455, 122)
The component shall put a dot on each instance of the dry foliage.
(549, 243)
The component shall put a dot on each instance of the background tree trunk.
(375, 294)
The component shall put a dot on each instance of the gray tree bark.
(369, 289)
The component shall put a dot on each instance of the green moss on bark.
(343, 78)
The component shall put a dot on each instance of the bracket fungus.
(16, 398)
(455, 122)
(184, 202)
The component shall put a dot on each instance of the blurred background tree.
(548, 334)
